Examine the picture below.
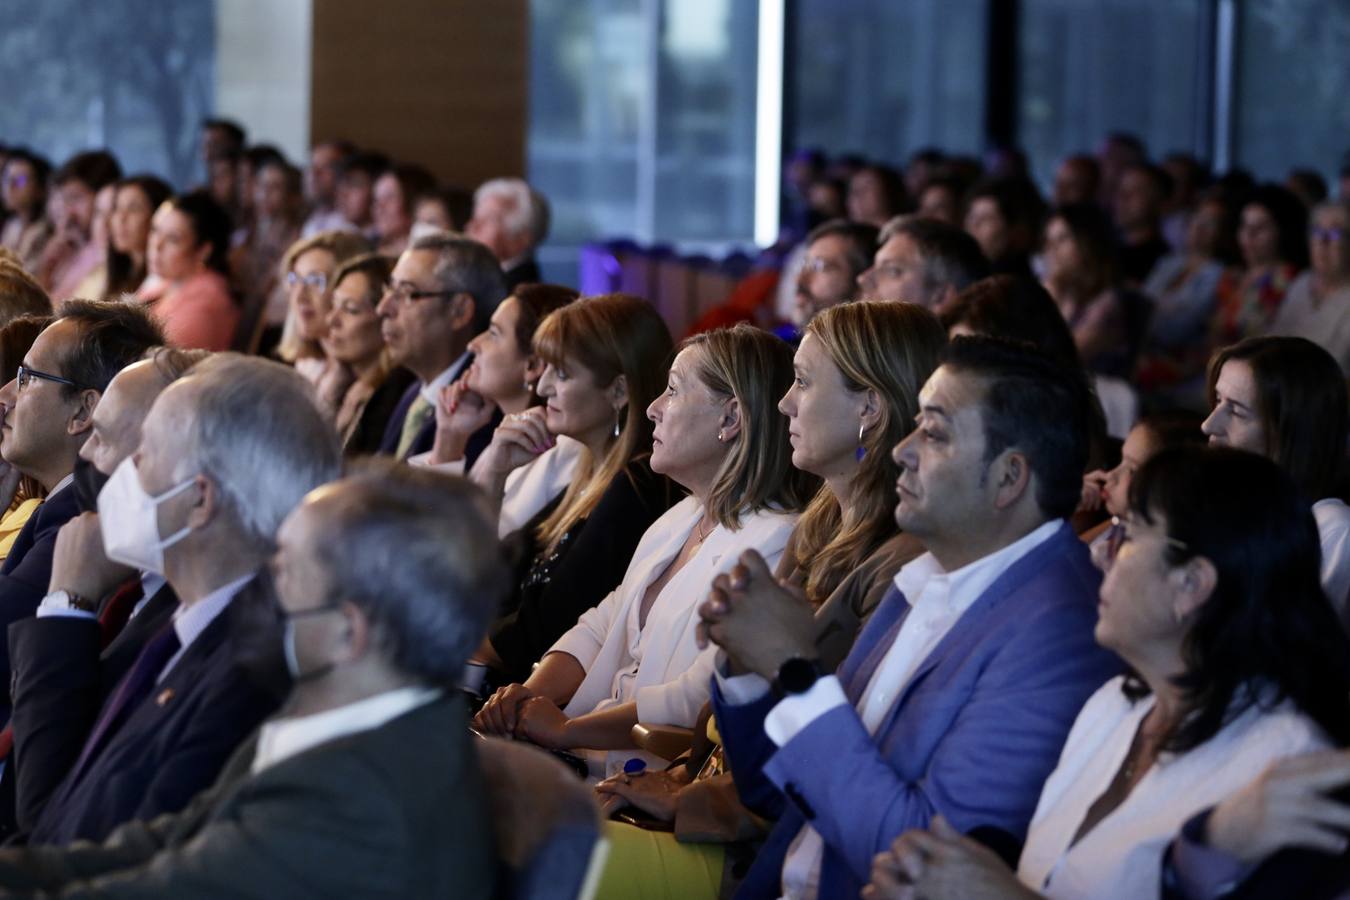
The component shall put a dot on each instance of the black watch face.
(797, 675)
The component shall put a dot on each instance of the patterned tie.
(135, 686)
(417, 416)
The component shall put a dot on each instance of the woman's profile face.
(576, 404)
(824, 416)
(1138, 448)
(353, 334)
(1140, 597)
(499, 365)
(129, 227)
(1236, 419)
(175, 253)
(688, 417)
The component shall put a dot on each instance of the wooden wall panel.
(442, 83)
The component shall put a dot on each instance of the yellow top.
(13, 521)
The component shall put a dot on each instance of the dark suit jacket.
(27, 571)
(427, 435)
(399, 812)
(171, 746)
(525, 272)
(61, 681)
(369, 432)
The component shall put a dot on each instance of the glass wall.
(135, 76)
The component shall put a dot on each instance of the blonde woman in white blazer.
(633, 657)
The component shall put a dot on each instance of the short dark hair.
(230, 128)
(1162, 182)
(95, 169)
(1291, 220)
(1267, 632)
(413, 181)
(1098, 247)
(260, 155)
(435, 573)
(951, 257)
(860, 238)
(1035, 403)
(1018, 200)
(1302, 402)
(112, 336)
(210, 224)
(364, 162)
(1017, 308)
(16, 337)
(466, 266)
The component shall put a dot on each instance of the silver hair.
(254, 428)
(529, 208)
(466, 266)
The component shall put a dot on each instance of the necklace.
(698, 530)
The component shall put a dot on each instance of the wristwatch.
(71, 601)
(796, 676)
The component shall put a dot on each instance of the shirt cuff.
(1200, 872)
(795, 712)
(50, 606)
(738, 690)
(423, 461)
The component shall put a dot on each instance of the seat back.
(546, 825)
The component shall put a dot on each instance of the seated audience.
(79, 646)
(371, 386)
(441, 293)
(922, 261)
(860, 362)
(511, 219)
(993, 622)
(1285, 398)
(226, 453)
(1274, 243)
(1235, 662)
(257, 249)
(355, 191)
(20, 494)
(1082, 273)
(188, 291)
(71, 254)
(633, 658)
(391, 208)
(1317, 306)
(837, 252)
(334, 795)
(1004, 215)
(1117, 152)
(1189, 178)
(503, 375)
(1140, 195)
(941, 200)
(48, 410)
(20, 294)
(321, 187)
(1015, 308)
(1077, 180)
(135, 200)
(23, 188)
(605, 359)
(876, 194)
(309, 266)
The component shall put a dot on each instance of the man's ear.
(358, 630)
(461, 311)
(1010, 473)
(207, 502)
(83, 417)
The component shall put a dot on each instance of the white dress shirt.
(1120, 858)
(431, 391)
(937, 600)
(529, 488)
(280, 739)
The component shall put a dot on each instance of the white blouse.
(660, 666)
(1121, 857)
(1333, 527)
(529, 488)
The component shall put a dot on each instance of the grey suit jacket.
(399, 811)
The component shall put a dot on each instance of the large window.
(1141, 66)
(134, 76)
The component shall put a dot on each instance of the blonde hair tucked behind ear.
(611, 335)
(890, 349)
(755, 368)
(343, 245)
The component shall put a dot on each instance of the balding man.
(511, 219)
(225, 454)
(366, 783)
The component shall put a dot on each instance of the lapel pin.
(164, 696)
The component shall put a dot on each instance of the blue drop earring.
(860, 452)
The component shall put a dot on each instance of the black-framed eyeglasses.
(405, 290)
(1108, 547)
(26, 375)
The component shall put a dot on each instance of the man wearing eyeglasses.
(47, 415)
(836, 254)
(441, 293)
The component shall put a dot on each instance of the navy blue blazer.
(973, 735)
(174, 744)
(61, 680)
(27, 572)
(426, 436)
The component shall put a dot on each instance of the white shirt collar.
(60, 485)
(191, 621)
(966, 584)
(282, 738)
(431, 391)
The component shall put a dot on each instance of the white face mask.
(129, 520)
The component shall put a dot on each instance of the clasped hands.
(516, 711)
(758, 622)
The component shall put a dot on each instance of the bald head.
(121, 409)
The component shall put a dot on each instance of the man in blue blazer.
(961, 689)
(441, 293)
(47, 413)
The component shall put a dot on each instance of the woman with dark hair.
(392, 205)
(876, 194)
(1285, 398)
(1273, 238)
(502, 377)
(1082, 273)
(188, 291)
(1214, 602)
(135, 200)
(1013, 307)
(20, 496)
(23, 185)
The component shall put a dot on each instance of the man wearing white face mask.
(225, 454)
(48, 412)
(68, 658)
